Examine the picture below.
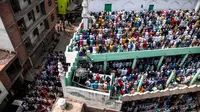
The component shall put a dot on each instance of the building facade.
(27, 27)
(116, 5)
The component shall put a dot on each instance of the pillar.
(195, 77)
(105, 66)
(170, 78)
(85, 14)
(112, 83)
(197, 6)
(134, 63)
(160, 62)
(140, 84)
(183, 60)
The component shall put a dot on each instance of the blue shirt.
(95, 85)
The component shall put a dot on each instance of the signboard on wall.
(62, 6)
(3, 92)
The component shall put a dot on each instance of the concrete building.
(26, 27)
(116, 5)
(76, 90)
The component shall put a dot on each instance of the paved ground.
(66, 35)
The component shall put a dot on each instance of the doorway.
(108, 7)
(151, 7)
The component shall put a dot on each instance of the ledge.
(143, 54)
(166, 92)
(23, 12)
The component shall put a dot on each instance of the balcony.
(14, 69)
(39, 41)
(20, 14)
(32, 27)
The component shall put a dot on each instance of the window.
(28, 44)
(49, 2)
(36, 32)
(41, 24)
(37, 9)
(30, 16)
(52, 17)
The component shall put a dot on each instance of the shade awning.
(72, 7)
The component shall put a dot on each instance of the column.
(170, 78)
(197, 6)
(105, 66)
(112, 82)
(85, 14)
(195, 77)
(140, 84)
(183, 60)
(134, 63)
(160, 62)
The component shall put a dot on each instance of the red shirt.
(144, 44)
(81, 42)
(97, 77)
(122, 92)
(82, 26)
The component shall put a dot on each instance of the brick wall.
(11, 26)
(6, 13)
(50, 17)
(49, 8)
(5, 80)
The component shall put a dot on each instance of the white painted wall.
(5, 42)
(27, 21)
(4, 92)
(98, 5)
(37, 14)
(32, 37)
(23, 4)
(41, 27)
(87, 94)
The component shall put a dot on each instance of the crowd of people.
(176, 103)
(128, 78)
(99, 82)
(42, 93)
(138, 30)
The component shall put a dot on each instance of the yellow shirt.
(111, 47)
(132, 39)
(136, 19)
(123, 40)
(129, 35)
(133, 29)
(163, 37)
(97, 48)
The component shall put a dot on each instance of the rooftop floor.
(72, 106)
(5, 58)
